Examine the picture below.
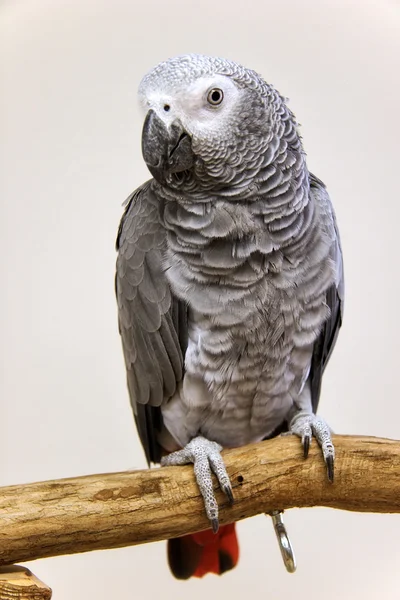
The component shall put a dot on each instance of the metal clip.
(283, 541)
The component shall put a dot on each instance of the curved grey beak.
(165, 150)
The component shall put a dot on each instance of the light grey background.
(70, 154)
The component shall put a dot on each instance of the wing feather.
(152, 322)
(326, 341)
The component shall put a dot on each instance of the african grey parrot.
(229, 279)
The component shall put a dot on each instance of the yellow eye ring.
(215, 96)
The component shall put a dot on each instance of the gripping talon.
(228, 491)
(215, 525)
(206, 458)
(330, 466)
(305, 425)
(306, 445)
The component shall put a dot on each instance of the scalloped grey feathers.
(229, 278)
(151, 321)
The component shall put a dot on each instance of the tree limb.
(18, 583)
(122, 509)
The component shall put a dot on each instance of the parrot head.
(209, 122)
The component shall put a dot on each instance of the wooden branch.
(122, 509)
(18, 583)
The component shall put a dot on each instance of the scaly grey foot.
(305, 425)
(206, 457)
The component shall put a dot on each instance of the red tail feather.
(204, 552)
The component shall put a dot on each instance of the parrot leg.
(206, 457)
(305, 424)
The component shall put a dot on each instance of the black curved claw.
(228, 491)
(330, 466)
(215, 525)
(306, 445)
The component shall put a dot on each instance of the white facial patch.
(193, 99)
(189, 103)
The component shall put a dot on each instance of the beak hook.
(283, 540)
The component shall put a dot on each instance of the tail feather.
(200, 553)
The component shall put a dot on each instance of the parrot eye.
(215, 96)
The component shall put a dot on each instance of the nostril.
(166, 107)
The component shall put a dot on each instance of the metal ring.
(283, 541)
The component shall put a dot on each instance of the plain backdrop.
(70, 155)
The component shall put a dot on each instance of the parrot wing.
(152, 322)
(326, 340)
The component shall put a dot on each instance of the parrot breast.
(254, 313)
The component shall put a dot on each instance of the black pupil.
(216, 96)
(166, 107)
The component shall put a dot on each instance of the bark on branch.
(121, 509)
(18, 583)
